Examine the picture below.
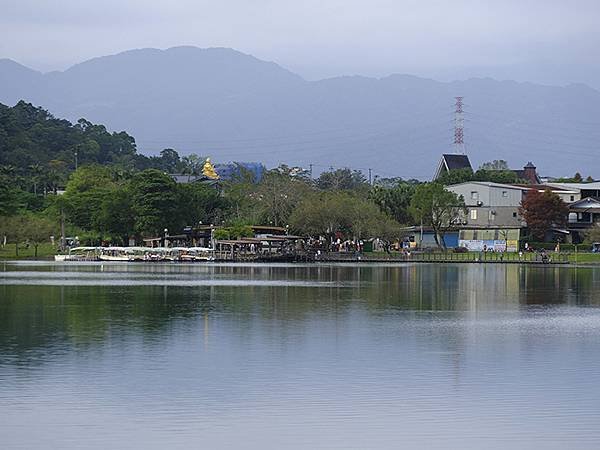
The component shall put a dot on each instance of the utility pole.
(370, 181)
(62, 229)
(311, 170)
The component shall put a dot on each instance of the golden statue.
(209, 170)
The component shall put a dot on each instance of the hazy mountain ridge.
(233, 106)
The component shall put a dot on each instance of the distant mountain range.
(232, 106)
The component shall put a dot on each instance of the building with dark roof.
(184, 178)
(583, 215)
(529, 174)
(451, 162)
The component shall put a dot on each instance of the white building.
(492, 219)
(491, 205)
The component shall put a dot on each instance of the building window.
(572, 198)
(474, 195)
(473, 214)
(515, 214)
(504, 193)
(491, 216)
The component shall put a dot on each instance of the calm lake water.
(126, 356)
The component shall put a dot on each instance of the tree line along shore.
(63, 179)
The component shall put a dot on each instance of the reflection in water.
(299, 356)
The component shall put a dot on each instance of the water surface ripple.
(340, 356)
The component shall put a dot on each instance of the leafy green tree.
(240, 231)
(241, 199)
(89, 177)
(390, 183)
(11, 230)
(278, 194)
(456, 176)
(394, 201)
(236, 231)
(434, 206)
(114, 217)
(342, 180)
(294, 172)
(200, 202)
(490, 175)
(222, 234)
(170, 161)
(27, 228)
(325, 213)
(497, 164)
(496, 176)
(35, 172)
(88, 189)
(542, 211)
(154, 202)
(319, 214)
(269, 201)
(10, 200)
(192, 164)
(35, 143)
(37, 230)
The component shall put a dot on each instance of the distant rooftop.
(578, 186)
(185, 178)
(542, 187)
(451, 162)
(495, 185)
(455, 161)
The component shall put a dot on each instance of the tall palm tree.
(8, 170)
(35, 171)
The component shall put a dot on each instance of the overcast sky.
(540, 40)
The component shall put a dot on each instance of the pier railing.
(448, 257)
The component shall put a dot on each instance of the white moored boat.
(116, 253)
(197, 254)
(79, 254)
(131, 254)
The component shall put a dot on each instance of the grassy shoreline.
(47, 251)
(44, 252)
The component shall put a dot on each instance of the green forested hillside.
(38, 151)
